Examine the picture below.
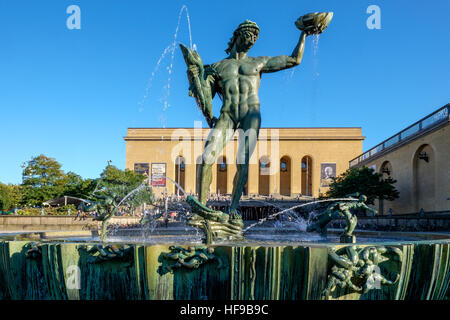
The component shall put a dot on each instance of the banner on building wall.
(142, 168)
(327, 173)
(158, 174)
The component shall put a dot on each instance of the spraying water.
(178, 185)
(316, 74)
(295, 207)
(142, 185)
(168, 51)
(296, 219)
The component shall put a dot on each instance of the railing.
(436, 118)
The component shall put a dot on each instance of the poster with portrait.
(158, 174)
(327, 173)
(142, 168)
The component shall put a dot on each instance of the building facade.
(286, 162)
(418, 157)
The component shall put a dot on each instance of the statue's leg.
(247, 143)
(216, 141)
(348, 222)
(351, 221)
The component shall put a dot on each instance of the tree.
(114, 176)
(143, 195)
(5, 198)
(76, 186)
(42, 179)
(124, 183)
(365, 181)
(116, 188)
(10, 196)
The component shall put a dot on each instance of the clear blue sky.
(71, 94)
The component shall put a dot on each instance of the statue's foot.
(234, 214)
(217, 225)
(203, 211)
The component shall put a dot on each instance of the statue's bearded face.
(245, 40)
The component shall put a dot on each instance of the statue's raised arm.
(311, 23)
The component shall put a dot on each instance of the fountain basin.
(253, 269)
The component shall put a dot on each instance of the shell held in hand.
(314, 23)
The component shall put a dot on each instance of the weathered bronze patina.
(342, 209)
(236, 79)
(357, 268)
(100, 253)
(190, 258)
(107, 206)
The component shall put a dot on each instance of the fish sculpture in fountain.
(189, 258)
(342, 209)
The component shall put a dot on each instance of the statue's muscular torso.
(239, 84)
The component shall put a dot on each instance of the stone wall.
(422, 183)
(55, 223)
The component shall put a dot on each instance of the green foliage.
(117, 189)
(59, 211)
(121, 183)
(42, 179)
(144, 195)
(10, 196)
(78, 187)
(5, 199)
(112, 176)
(365, 181)
(29, 212)
(65, 209)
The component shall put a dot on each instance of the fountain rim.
(73, 237)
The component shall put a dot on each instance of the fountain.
(233, 259)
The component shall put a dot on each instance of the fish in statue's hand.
(199, 85)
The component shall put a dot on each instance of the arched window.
(285, 176)
(307, 176)
(386, 172)
(180, 168)
(386, 169)
(222, 175)
(264, 176)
